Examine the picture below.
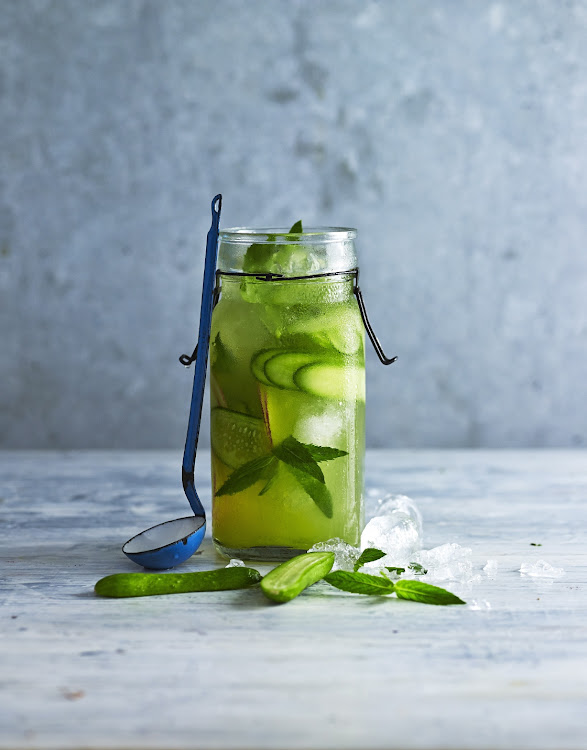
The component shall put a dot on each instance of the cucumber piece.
(258, 364)
(290, 578)
(342, 382)
(237, 438)
(150, 584)
(280, 369)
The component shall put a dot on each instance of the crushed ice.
(490, 568)
(541, 569)
(345, 555)
(449, 562)
(235, 563)
(396, 530)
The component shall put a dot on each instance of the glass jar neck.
(277, 251)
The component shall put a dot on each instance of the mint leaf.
(368, 555)
(319, 492)
(270, 474)
(417, 591)
(294, 453)
(418, 569)
(222, 358)
(258, 257)
(323, 452)
(398, 571)
(245, 475)
(360, 583)
(533, 544)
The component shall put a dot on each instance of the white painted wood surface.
(328, 670)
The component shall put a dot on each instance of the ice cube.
(396, 530)
(235, 563)
(345, 555)
(479, 605)
(541, 569)
(400, 504)
(449, 562)
(490, 568)
(324, 428)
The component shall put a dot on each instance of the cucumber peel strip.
(121, 585)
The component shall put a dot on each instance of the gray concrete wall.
(451, 134)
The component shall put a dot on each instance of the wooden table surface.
(328, 670)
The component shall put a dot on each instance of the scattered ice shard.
(396, 530)
(541, 569)
(490, 568)
(345, 555)
(479, 605)
(235, 563)
(449, 562)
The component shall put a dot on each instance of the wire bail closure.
(186, 359)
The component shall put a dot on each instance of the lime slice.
(237, 438)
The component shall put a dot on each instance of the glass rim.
(282, 235)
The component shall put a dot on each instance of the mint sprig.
(323, 453)
(417, 591)
(368, 555)
(319, 492)
(260, 254)
(360, 583)
(296, 454)
(302, 461)
(397, 571)
(247, 475)
(418, 569)
(270, 474)
(368, 585)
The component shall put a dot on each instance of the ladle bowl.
(168, 544)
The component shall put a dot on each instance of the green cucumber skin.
(150, 584)
(258, 364)
(328, 381)
(290, 578)
(244, 422)
(280, 369)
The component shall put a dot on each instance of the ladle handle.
(191, 441)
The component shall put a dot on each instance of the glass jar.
(287, 384)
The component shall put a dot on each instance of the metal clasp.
(186, 359)
(370, 332)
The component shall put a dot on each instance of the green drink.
(287, 383)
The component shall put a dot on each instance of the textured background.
(452, 135)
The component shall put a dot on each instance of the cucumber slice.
(237, 438)
(280, 369)
(258, 364)
(341, 382)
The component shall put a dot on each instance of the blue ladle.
(171, 543)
